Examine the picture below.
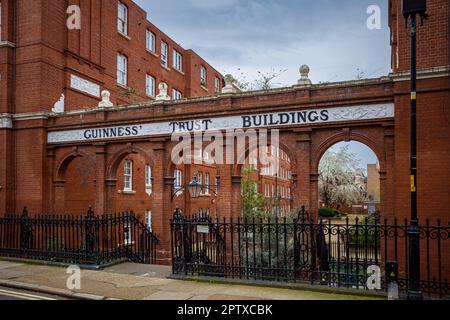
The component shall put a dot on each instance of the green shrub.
(328, 213)
(366, 235)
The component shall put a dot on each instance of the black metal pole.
(414, 292)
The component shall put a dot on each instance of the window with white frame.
(177, 61)
(203, 76)
(148, 179)
(216, 85)
(151, 41)
(164, 54)
(127, 234)
(122, 67)
(128, 176)
(200, 181)
(149, 220)
(207, 182)
(178, 175)
(176, 95)
(150, 86)
(122, 19)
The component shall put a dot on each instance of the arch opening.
(349, 181)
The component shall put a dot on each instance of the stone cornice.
(430, 73)
(31, 116)
(7, 44)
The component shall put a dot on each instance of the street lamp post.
(412, 9)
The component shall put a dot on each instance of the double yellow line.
(24, 296)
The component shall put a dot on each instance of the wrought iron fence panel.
(85, 239)
(324, 252)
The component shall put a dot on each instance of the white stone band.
(299, 117)
(5, 121)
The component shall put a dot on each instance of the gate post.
(179, 241)
(25, 230)
(89, 232)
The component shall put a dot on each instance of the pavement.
(143, 282)
(22, 295)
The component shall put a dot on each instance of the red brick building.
(273, 178)
(51, 162)
(116, 49)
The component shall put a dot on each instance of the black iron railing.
(86, 239)
(302, 250)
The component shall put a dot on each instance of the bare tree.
(264, 80)
(337, 178)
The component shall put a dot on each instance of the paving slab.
(116, 283)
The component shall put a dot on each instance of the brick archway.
(63, 189)
(374, 137)
(112, 167)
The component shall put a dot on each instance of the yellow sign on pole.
(413, 184)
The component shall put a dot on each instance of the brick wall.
(47, 53)
(432, 38)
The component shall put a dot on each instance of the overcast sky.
(257, 35)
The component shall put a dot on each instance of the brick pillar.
(236, 206)
(59, 196)
(162, 203)
(7, 165)
(49, 182)
(302, 171)
(314, 195)
(225, 193)
(100, 190)
(387, 174)
(110, 191)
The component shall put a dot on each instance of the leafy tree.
(337, 173)
(252, 200)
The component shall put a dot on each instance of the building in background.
(373, 187)
(274, 180)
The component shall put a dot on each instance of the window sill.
(124, 35)
(165, 67)
(179, 71)
(153, 53)
(126, 192)
(204, 88)
(121, 86)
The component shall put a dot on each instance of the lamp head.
(414, 7)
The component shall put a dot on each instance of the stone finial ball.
(304, 70)
(229, 78)
(105, 94)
